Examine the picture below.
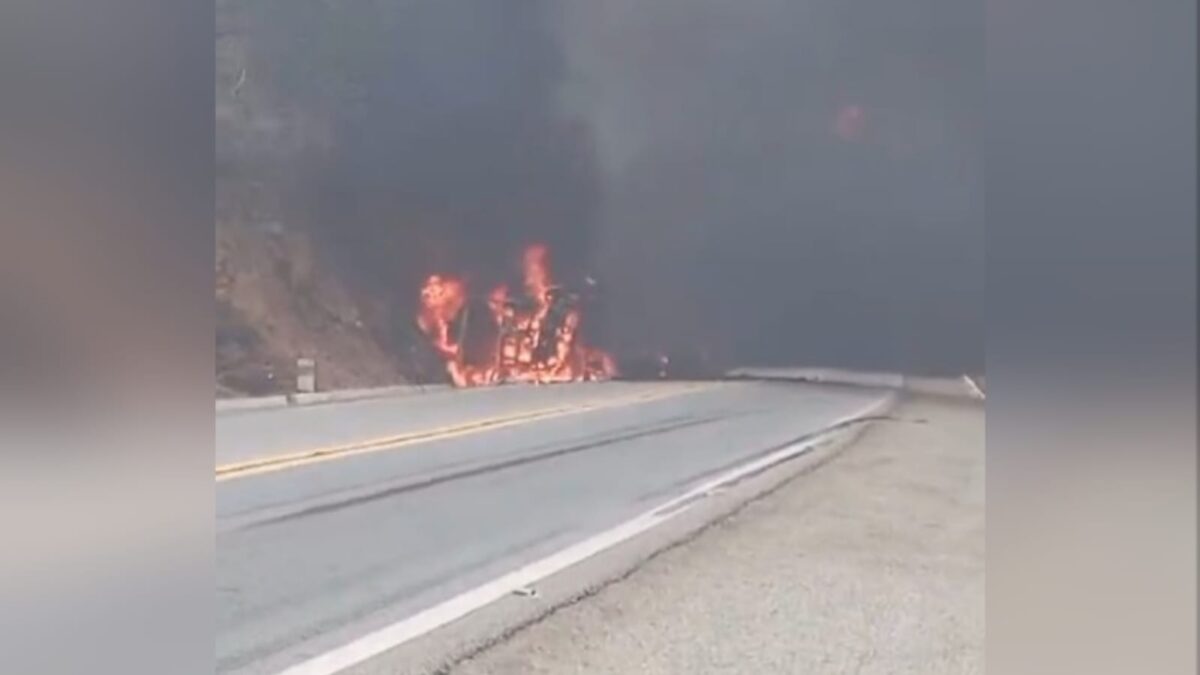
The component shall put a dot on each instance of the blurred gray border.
(1091, 352)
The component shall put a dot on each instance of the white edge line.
(396, 634)
(975, 390)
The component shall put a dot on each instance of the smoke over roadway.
(770, 181)
(791, 181)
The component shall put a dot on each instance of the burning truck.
(538, 335)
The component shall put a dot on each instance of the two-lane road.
(336, 520)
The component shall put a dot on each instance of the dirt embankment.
(278, 298)
(276, 302)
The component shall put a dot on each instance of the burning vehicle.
(535, 336)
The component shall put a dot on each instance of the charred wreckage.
(541, 335)
(538, 336)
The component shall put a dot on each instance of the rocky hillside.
(278, 297)
(275, 304)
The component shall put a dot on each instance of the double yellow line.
(262, 465)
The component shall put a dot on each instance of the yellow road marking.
(278, 462)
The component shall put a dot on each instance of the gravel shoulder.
(872, 564)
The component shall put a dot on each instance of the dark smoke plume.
(774, 181)
(791, 182)
(449, 150)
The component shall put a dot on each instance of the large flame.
(536, 337)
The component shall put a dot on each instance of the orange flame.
(441, 300)
(531, 344)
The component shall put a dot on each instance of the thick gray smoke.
(773, 181)
(448, 150)
(790, 181)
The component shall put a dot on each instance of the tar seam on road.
(489, 468)
(798, 440)
(291, 460)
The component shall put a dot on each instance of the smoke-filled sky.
(776, 181)
(805, 176)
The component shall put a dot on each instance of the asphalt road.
(311, 555)
(872, 565)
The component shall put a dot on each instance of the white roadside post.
(306, 375)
